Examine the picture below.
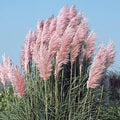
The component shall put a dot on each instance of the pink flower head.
(90, 44)
(62, 54)
(78, 40)
(6, 70)
(33, 41)
(110, 54)
(35, 53)
(97, 69)
(54, 45)
(19, 82)
(82, 54)
(39, 30)
(44, 63)
(27, 49)
(36, 46)
(53, 26)
(80, 16)
(3, 76)
(72, 12)
(45, 37)
(62, 21)
(39, 27)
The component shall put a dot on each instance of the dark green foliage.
(6, 94)
(74, 100)
(111, 111)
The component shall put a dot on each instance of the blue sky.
(18, 16)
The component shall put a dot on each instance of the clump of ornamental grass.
(57, 82)
(111, 111)
(114, 86)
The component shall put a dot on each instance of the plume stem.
(80, 83)
(62, 85)
(75, 85)
(69, 107)
(85, 101)
(56, 100)
(100, 101)
(46, 104)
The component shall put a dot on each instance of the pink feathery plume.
(43, 61)
(41, 54)
(110, 54)
(97, 69)
(45, 37)
(72, 12)
(81, 17)
(54, 45)
(36, 46)
(39, 27)
(62, 21)
(39, 30)
(32, 42)
(63, 53)
(44, 64)
(3, 75)
(6, 61)
(2, 78)
(22, 59)
(90, 44)
(19, 82)
(82, 52)
(53, 26)
(26, 51)
(82, 55)
(6, 70)
(35, 53)
(8, 67)
(78, 40)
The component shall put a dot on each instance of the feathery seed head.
(90, 44)
(72, 12)
(110, 54)
(98, 67)
(19, 82)
(62, 21)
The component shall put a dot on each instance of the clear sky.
(18, 16)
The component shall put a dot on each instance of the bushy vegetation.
(61, 78)
(111, 111)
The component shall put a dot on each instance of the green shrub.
(111, 111)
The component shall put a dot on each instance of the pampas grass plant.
(57, 82)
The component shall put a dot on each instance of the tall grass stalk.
(70, 86)
(35, 73)
(56, 100)
(74, 82)
(89, 103)
(80, 81)
(62, 94)
(101, 96)
(71, 95)
(85, 101)
(46, 100)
